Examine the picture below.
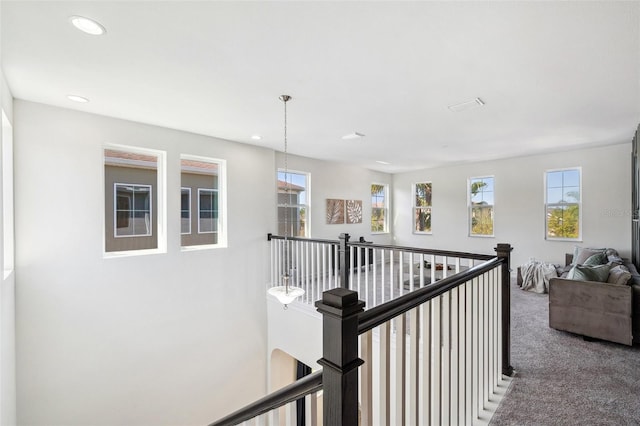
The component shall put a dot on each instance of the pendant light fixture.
(286, 293)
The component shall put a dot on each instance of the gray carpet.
(563, 380)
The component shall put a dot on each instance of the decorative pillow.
(613, 257)
(619, 275)
(563, 271)
(596, 259)
(598, 273)
(581, 254)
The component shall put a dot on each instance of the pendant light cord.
(284, 99)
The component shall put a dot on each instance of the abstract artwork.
(335, 211)
(354, 211)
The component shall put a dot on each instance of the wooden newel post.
(504, 252)
(340, 308)
(344, 260)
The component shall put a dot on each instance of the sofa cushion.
(598, 273)
(581, 254)
(619, 275)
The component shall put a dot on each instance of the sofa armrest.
(594, 309)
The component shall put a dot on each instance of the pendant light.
(286, 293)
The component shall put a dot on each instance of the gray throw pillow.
(580, 254)
(596, 259)
(619, 275)
(598, 273)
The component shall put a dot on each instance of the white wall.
(519, 204)
(339, 181)
(7, 297)
(173, 338)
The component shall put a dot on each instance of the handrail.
(416, 250)
(296, 390)
(380, 314)
(444, 253)
(310, 240)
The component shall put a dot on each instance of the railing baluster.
(468, 380)
(462, 349)
(311, 413)
(499, 371)
(414, 366)
(369, 280)
(436, 342)
(453, 359)
(446, 355)
(475, 366)
(384, 400)
(425, 373)
(366, 388)
(392, 283)
(400, 368)
(485, 340)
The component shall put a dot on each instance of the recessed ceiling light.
(382, 162)
(465, 106)
(87, 25)
(354, 135)
(76, 98)
(256, 137)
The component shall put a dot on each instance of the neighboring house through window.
(293, 203)
(481, 206)
(185, 211)
(422, 208)
(379, 208)
(131, 199)
(563, 204)
(201, 218)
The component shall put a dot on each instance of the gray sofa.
(600, 310)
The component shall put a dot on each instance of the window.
(379, 209)
(293, 207)
(132, 197)
(563, 204)
(422, 208)
(207, 211)
(133, 210)
(481, 203)
(185, 211)
(7, 195)
(203, 177)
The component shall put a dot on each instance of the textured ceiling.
(553, 75)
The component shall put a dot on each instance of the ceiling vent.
(354, 135)
(465, 106)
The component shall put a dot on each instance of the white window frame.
(188, 210)
(212, 191)
(470, 206)
(222, 239)
(547, 205)
(115, 210)
(415, 208)
(161, 207)
(385, 209)
(307, 206)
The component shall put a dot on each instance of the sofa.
(598, 301)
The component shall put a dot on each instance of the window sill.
(481, 236)
(132, 253)
(380, 233)
(422, 233)
(203, 247)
